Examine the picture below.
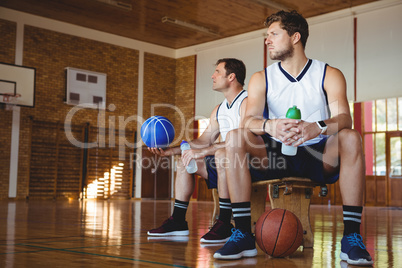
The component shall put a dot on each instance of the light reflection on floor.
(113, 233)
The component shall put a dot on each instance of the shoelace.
(236, 235)
(356, 240)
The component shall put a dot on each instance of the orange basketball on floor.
(278, 232)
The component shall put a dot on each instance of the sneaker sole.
(170, 233)
(203, 240)
(364, 262)
(245, 253)
(177, 238)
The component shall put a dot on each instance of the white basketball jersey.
(228, 116)
(306, 91)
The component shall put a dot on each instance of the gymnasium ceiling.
(142, 19)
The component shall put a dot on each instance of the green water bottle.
(293, 113)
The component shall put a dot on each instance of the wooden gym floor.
(92, 233)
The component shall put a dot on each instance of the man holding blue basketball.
(228, 78)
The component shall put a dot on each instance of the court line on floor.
(83, 238)
(52, 249)
(28, 243)
(39, 238)
(100, 255)
(59, 239)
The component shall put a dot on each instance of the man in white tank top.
(228, 78)
(328, 147)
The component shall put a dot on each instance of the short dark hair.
(234, 66)
(291, 22)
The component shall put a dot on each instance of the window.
(380, 117)
(392, 115)
(202, 125)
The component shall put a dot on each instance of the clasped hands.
(294, 132)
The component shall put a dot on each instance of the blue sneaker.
(239, 245)
(353, 250)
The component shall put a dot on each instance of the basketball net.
(10, 100)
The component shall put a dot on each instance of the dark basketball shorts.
(212, 181)
(306, 163)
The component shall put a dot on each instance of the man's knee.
(350, 140)
(220, 159)
(220, 153)
(235, 139)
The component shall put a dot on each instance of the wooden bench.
(291, 193)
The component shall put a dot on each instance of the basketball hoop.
(10, 100)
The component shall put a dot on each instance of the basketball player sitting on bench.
(328, 148)
(228, 78)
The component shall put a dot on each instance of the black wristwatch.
(322, 126)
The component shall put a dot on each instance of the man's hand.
(160, 151)
(307, 131)
(286, 130)
(187, 155)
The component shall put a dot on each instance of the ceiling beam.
(274, 5)
(189, 26)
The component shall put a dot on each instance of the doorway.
(393, 171)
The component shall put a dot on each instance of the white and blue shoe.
(353, 251)
(238, 246)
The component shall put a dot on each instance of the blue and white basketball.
(157, 132)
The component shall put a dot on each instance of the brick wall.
(7, 55)
(159, 86)
(169, 89)
(7, 40)
(50, 53)
(166, 81)
(185, 96)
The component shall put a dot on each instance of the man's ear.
(232, 77)
(296, 37)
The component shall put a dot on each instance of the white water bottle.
(192, 166)
(293, 113)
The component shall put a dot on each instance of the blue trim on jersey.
(266, 110)
(217, 112)
(322, 86)
(310, 61)
(238, 96)
(301, 75)
(325, 92)
(241, 104)
(288, 76)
